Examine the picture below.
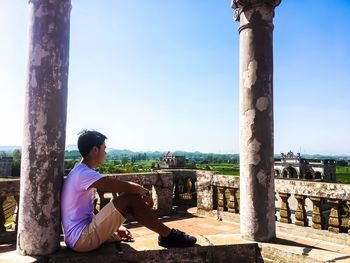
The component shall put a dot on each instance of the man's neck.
(89, 163)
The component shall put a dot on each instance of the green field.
(117, 166)
(222, 168)
(342, 172)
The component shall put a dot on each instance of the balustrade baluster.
(15, 215)
(194, 189)
(300, 213)
(187, 190)
(318, 219)
(180, 187)
(275, 207)
(176, 188)
(221, 198)
(344, 210)
(231, 200)
(237, 201)
(229, 196)
(334, 217)
(285, 210)
(2, 214)
(348, 218)
(188, 185)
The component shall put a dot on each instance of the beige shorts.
(101, 229)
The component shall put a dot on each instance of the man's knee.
(127, 198)
(124, 202)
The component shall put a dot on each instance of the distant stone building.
(170, 160)
(5, 166)
(294, 167)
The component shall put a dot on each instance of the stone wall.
(160, 183)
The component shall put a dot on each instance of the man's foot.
(177, 238)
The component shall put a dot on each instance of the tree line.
(123, 161)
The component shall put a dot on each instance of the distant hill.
(118, 154)
(9, 148)
(71, 151)
(71, 147)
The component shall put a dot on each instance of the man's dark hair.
(88, 139)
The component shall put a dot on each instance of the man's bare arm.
(112, 185)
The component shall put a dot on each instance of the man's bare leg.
(141, 212)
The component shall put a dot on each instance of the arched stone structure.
(285, 173)
(305, 167)
(318, 175)
(277, 173)
(309, 174)
(289, 173)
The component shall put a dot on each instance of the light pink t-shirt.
(77, 202)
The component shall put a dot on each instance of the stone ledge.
(8, 236)
(210, 248)
(293, 253)
(218, 248)
(307, 232)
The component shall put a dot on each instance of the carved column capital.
(240, 5)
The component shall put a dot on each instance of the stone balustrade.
(325, 197)
(159, 183)
(304, 203)
(330, 202)
(217, 192)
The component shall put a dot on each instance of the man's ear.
(94, 149)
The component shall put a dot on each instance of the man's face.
(101, 154)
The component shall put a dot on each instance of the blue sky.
(164, 75)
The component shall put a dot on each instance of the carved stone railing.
(325, 204)
(217, 193)
(316, 204)
(9, 200)
(330, 204)
(161, 185)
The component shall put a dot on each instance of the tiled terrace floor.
(304, 244)
(288, 235)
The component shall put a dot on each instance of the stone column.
(256, 118)
(44, 127)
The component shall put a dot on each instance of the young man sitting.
(83, 230)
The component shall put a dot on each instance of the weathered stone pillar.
(256, 118)
(44, 127)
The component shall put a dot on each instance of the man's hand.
(124, 233)
(148, 200)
